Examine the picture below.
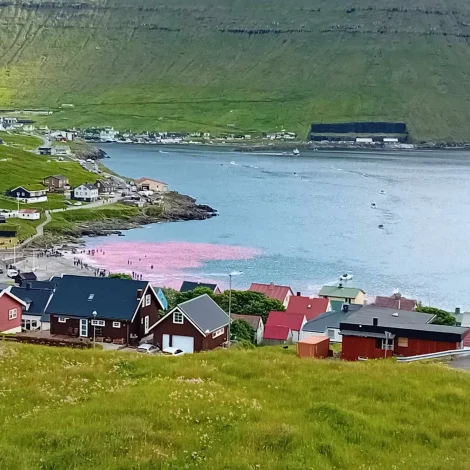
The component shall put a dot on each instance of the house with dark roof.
(190, 285)
(86, 192)
(22, 277)
(106, 186)
(118, 310)
(328, 323)
(350, 295)
(34, 312)
(28, 195)
(311, 307)
(196, 325)
(377, 338)
(273, 291)
(293, 321)
(256, 322)
(277, 335)
(396, 301)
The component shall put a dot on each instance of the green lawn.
(24, 142)
(256, 409)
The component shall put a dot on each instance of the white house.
(108, 134)
(86, 192)
(28, 196)
(29, 214)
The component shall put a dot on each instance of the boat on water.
(382, 191)
(295, 152)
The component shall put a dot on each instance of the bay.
(310, 217)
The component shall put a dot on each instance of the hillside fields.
(256, 409)
(256, 66)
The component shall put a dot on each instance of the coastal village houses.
(289, 321)
(256, 322)
(28, 196)
(113, 310)
(56, 183)
(11, 308)
(350, 295)
(187, 286)
(310, 307)
(86, 192)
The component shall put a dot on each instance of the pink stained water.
(169, 259)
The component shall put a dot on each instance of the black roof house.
(190, 285)
(24, 277)
(36, 300)
(111, 298)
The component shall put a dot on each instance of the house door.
(84, 328)
(166, 341)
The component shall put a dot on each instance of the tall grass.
(264, 408)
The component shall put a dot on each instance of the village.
(128, 313)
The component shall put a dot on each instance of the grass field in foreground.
(256, 409)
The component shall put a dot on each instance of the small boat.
(346, 277)
(372, 205)
(382, 191)
(295, 152)
(381, 226)
(232, 163)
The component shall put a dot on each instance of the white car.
(173, 352)
(77, 203)
(12, 273)
(147, 349)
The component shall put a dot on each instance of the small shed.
(314, 346)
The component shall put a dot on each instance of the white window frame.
(330, 333)
(146, 323)
(175, 313)
(12, 313)
(116, 324)
(148, 300)
(218, 333)
(385, 346)
(62, 320)
(98, 323)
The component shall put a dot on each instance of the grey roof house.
(195, 325)
(190, 285)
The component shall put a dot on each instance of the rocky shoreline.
(172, 207)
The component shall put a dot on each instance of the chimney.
(457, 310)
(139, 293)
(345, 308)
(340, 284)
(298, 294)
(375, 321)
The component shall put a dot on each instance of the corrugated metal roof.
(336, 291)
(290, 320)
(205, 313)
(308, 306)
(271, 290)
(276, 332)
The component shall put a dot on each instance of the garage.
(186, 343)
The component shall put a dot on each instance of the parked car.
(12, 273)
(77, 203)
(68, 203)
(147, 349)
(173, 352)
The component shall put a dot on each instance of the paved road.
(462, 363)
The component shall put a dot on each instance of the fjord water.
(310, 217)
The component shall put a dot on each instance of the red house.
(378, 340)
(118, 310)
(273, 291)
(311, 307)
(11, 309)
(195, 325)
(397, 302)
(292, 321)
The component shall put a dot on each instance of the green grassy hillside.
(257, 409)
(224, 65)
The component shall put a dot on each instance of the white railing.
(437, 355)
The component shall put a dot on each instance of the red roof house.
(397, 302)
(11, 309)
(309, 306)
(466, 340)
(293, 321)
(273, 291)
(277, 335)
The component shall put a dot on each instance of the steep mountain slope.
(253, 65)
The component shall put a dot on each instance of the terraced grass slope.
(258, 409)
(251, 65)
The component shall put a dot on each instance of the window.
(97, 322)
(62, 320)
(402, 342)
(12, 313)
(178, 317)
(381, 343)
(91, 296)
(331, 333)
(147, 323)
(148, 300)
(218, 332)
(116, 324)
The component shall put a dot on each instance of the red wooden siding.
(420, 346)
(7, 303)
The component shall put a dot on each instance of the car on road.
(12, 273)
(77, 203)
(147, 349)
(172, 352)
(68, 203)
